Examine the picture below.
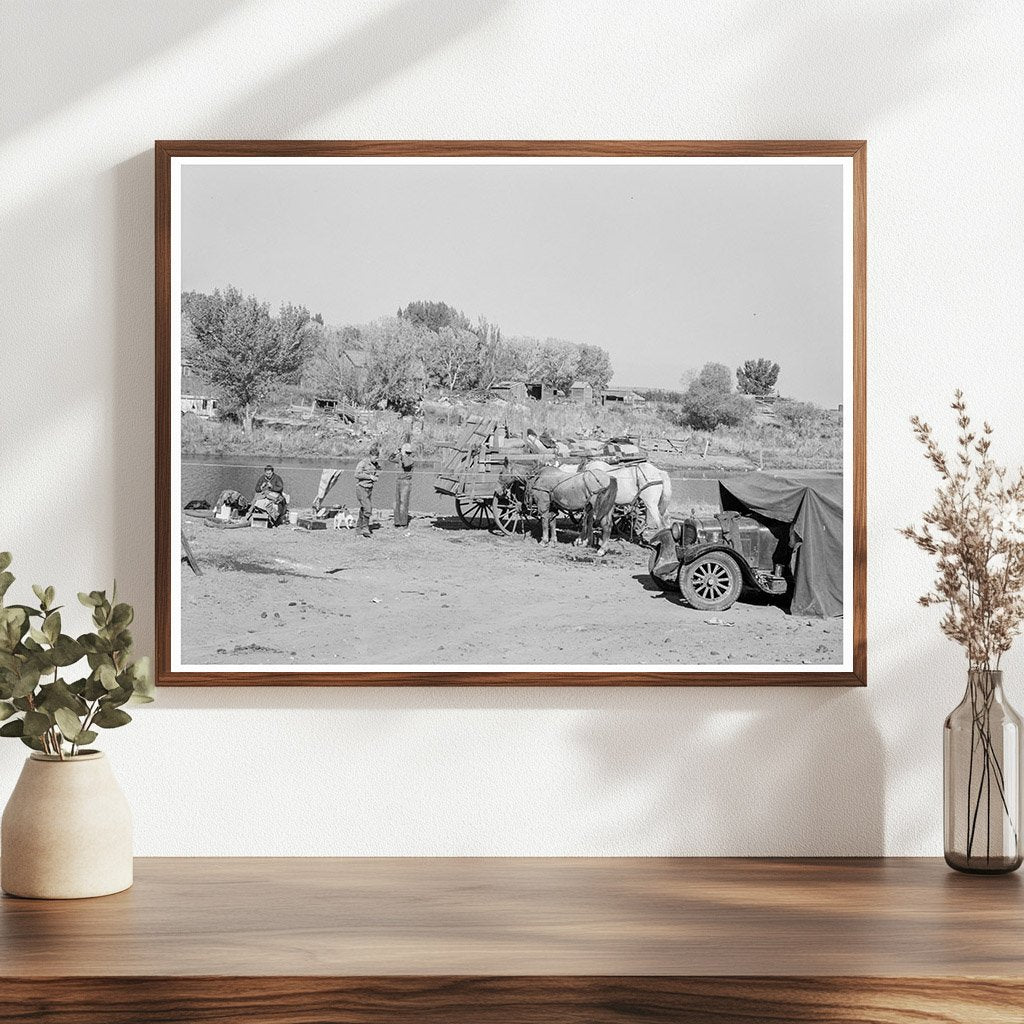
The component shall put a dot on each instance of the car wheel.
(711, 583)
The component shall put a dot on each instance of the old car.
(711, 560)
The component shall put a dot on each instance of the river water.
(206, 476)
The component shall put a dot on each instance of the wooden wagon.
(469, 472)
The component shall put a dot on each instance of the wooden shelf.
(281, 941)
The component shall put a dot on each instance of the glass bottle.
(981, 773)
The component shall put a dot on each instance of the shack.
(511, 391)
(540, 392)
(621, 396)
(581, 392)
(197, 396)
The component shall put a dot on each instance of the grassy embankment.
(805, 439)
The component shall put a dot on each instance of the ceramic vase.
(66, 831)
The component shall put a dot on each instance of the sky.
(666, 266)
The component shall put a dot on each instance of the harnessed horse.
(641, 480)
(589, 490)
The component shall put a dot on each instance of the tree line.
(236, 344)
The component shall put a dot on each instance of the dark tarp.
(813, 514)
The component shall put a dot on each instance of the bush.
(799, 415)
(710, 402)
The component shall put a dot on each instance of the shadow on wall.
(394, 39)
(743, 771)
(686, 772)
(854, 47)
(112, 33)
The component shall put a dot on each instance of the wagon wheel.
(511, 513)
(474, 512)
(630, 521)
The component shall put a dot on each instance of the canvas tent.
(810, 517)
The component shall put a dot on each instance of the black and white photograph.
(511, 415)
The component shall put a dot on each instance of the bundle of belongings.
(272, 506)
(230, 504)
(544, 444)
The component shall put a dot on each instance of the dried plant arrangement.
(975, 532)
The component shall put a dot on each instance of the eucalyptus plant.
(37, 703)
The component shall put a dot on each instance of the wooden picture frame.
(850, 155)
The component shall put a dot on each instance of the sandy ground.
(440, 594)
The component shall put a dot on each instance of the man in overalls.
(403, 487)
(367, 473)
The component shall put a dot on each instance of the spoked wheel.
(630, 521)
(711, 583)
(474, 512)
(510, 513)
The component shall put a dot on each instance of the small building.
(512, 391)
(201, 405)
(540, 392)
(197, 396)
(581, 392)
(621, 396)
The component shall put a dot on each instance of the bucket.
(293, 518)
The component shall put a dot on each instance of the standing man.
(367, 473)
(403, 486)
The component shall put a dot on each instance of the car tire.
(711, 583)
(659, 581)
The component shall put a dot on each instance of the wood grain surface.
(522, 939)
(166, 150)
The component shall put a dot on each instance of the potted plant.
(66, 831)
(975, 530)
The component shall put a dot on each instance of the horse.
(551, 489)
(641, 480)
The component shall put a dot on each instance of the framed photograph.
(510, 413)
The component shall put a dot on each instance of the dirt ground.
(440, 594)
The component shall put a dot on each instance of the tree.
(241, 349)
(560, 362)
(328, 371)
(453, 358)
(434, 315)
(595, 366)
(757, 377)
(395, 374)
(521, 359)
(492, 353)
(710, 401)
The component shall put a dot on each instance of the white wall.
(937, 90)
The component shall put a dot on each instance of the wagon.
(469, 472)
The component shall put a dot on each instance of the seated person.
(534, 444)
(269, 497)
